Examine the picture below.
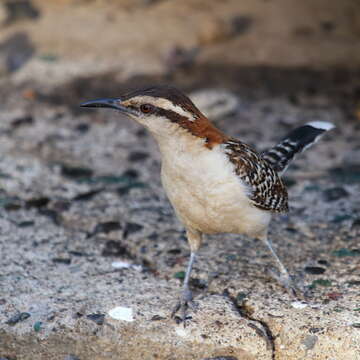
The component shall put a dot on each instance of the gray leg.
(284, 278)
(194, 238)
(281, 266)
(186, 296)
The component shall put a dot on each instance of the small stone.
(60, 260)
(136, 156)
(356, 223)
(323, 262)
(121, 313)
(75, 172)
(335, 193)
(180, 275)
(24, 224)
(131, 228)
(125, 265)
(346, 252)
(107, 227)
(18, 318)
(21, 121)
(131, 173)
(61, 205)
(11, 203)
(299, 305)
(37, 326)
(97, 318)
(175, 251)
(37, 202)
(334, 295)
(240, 297)
(314, 270)
(157, 318)
(86, 195)
(320, 282)
(19, 10)
(114, 248)
(198, 283)
(310, 341)
(83, 128)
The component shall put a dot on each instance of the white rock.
(125, 265)
(299, 305)
(121, 313)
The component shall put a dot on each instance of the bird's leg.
(186, 299)
(284, 278)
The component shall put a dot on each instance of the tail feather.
(297, 141)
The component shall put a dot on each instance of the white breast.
(205, 192)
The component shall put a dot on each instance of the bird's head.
(165, 111)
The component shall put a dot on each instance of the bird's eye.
(146, 108)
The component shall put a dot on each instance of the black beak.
(111, 103)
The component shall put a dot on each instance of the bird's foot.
(291, 284)
(185, 302)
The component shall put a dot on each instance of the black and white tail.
(297, 141)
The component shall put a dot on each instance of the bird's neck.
(186, 135)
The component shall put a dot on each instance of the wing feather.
(267, 189)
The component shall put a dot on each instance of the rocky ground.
(85, 226)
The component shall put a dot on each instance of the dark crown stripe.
(166, 92)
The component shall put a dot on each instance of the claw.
(289, 283)
(185, 302)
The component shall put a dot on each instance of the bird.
(214, 182)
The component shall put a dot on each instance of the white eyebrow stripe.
(164, 104)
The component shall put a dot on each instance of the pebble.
(37, 326)
(114, 248)
(125, 265)
(18, 318)
(121, 313)
(131, 228)
(299, 305)
(97, 318)
(18, 10)
(23, 120)
(106, 227)
(75, 172)
(314, 270)
(136, 156)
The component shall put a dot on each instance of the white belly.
(207, 195)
